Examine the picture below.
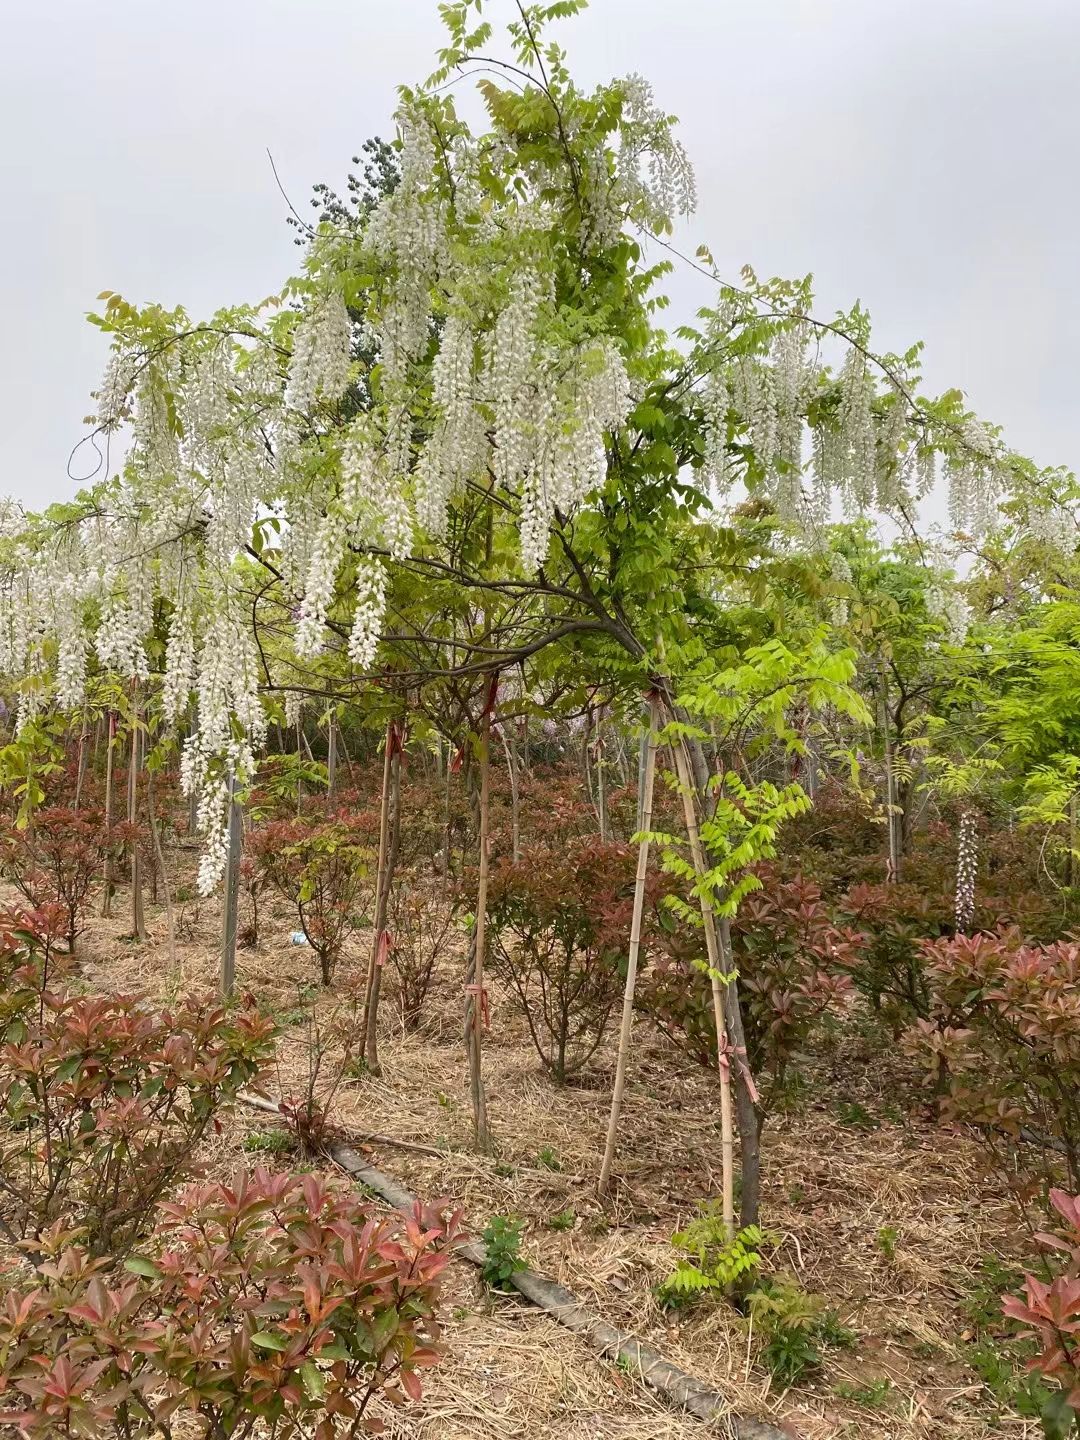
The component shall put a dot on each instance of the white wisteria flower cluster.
(967, 868)
(463, 337)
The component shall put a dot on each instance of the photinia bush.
(1050, 1314)
(58, 859)
(326, 869)
(1002, 1042)
(104, 1099)
(421, 917)
(896, 918)
(794, 963)
(273, 1304)
(560, 929)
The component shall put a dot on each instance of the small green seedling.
(502, 1242)
(872, 1395)
(268, 1142)
(564, 1220)
(887, 1237)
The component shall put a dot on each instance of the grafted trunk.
(687, 794)
(138, 919)
(110, 731)
(746, 1109)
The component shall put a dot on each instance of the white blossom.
(967, 866)
(368, 615)
(321, 356)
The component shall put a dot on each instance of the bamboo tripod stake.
(481, 1134)
(368, 1038)
(648, 777)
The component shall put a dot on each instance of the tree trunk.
(892, 871)
(746, 1105)
(372, 1058)
(447, 857)
(110, 729)
(193, 799)
(601, 785)
(138, 919)
(724, 1059)
(510, 748)
(331, 760)
(645, 799)
(749, 1121)
(84, 755)
(160, 856)
(232, 894)
(475, 1006)
(382, 901)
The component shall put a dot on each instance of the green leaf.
(314, 1383)
(139, 1265)
(269, 1340)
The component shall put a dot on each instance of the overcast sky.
(920, 155)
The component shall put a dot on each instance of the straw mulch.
(830, 1188)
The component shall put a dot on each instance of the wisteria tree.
(465, 406)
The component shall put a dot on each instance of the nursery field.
(890, 1234)
(541, 835)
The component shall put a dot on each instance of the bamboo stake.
(380, 906)
(481, 1134)
(648, 776)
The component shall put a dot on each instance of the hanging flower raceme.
(321, 356)
(967, 866)
(485, 324)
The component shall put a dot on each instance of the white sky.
(920, 155)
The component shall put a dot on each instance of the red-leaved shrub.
(1050, 1314)
(327, 871)
(273, 1305)
(560, 929)
(103, 1098)
(1002, 1043)
(59, 859)
(793, 961)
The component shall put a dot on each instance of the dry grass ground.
(848, 1167)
